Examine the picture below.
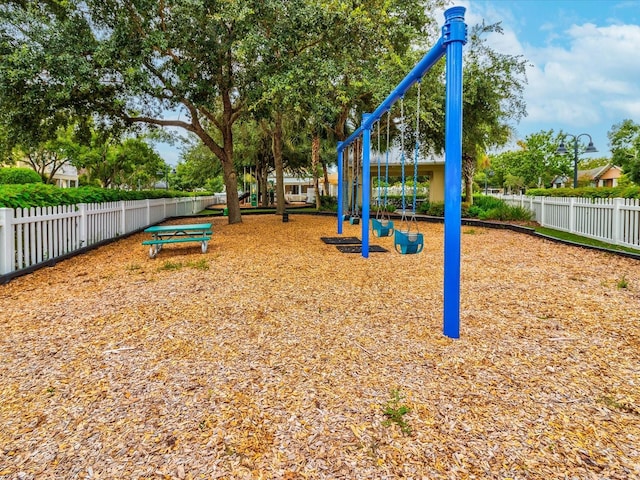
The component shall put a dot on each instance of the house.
(560, 181)
(66, 176)
(604, 176)
(300, 188)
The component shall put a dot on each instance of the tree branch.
(161, 122)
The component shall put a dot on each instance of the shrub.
(507, 213)
(474, 211)
(329, 202)
(623, 191)
(485, 202)
(18, 176)
(436, 209)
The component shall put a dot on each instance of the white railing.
(29, 236)
(610, 220)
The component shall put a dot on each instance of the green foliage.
(435, 209)
(18, 176)
(484, 208)
(328, 202)
(41, 195)
(624, 138)
(623, 282)
(588, 192)
(169, 265)
(507, 213)
(493, 98)
(395, 412)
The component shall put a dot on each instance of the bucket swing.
(347, 215)
(382, 225)
(355, 217)
(408, 239)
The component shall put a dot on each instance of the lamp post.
(562, 150)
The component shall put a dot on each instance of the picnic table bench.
(163, 234)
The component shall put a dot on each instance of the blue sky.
(585, 62)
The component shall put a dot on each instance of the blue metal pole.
(340, 194)
(366, 183)
(454, 33)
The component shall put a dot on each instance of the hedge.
(41, 195)
(587, 192)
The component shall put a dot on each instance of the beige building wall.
(436, 185)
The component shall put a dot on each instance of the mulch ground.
(275, 356)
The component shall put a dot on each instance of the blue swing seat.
(382, 228)
(408, 242)
(354, 220)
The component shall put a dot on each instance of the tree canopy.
(624, 138)
(197, 65)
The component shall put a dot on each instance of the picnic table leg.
(204, 247)
(153, 251)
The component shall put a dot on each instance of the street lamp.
(562, 150)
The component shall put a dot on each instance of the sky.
(584, 56)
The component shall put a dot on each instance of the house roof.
(598, 172)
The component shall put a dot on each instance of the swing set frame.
(450, 44)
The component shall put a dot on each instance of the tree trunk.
(277, 157)
(325, 172)
(231, 187)
(315, 157)
(468, 171)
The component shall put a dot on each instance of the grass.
(570, 237)
(623, 283)
(202, 264)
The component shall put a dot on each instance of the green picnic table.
(163, 234)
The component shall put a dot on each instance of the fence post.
(123, 218)
(7, 241)
(82, 224)
(542, 212)
(616, 221)
(572, 214)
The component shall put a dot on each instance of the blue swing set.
(453, 38)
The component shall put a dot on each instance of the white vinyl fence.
(611, 220)
(29, 236)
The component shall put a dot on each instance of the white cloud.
(592, 77)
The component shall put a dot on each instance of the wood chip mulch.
(275, 356)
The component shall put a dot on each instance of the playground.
(274, 355)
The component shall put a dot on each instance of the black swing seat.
(382, 227)
(354, 220)
(407, 242)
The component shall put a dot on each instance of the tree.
(624, 138)
(116, 162)
(536, 162)
(48, 156)
(492, 99)
(134, 62)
